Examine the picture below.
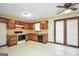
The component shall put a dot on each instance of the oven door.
(21, 37)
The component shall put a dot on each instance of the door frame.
(65, 31)
(55, 32)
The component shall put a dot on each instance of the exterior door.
(72, 32)
(59, 32)
(2, 34)
(66, 32)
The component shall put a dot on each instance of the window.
(37, 27)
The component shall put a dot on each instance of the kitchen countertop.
(31, 33)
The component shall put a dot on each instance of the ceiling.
(37, 10)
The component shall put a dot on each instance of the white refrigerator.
(2, 34)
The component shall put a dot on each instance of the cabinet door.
(27, 37)
(17, 22)
(41, 25)
(72, 32)
(44, 24)
(11, 40)
(44, 38)
(26, 25)
(11, 24)
(21, 23)
(35, 37)
(31, 26)
(60, 32)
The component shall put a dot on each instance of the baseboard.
(50, 42)
(63, 44)
(27, 40)
(2, 45)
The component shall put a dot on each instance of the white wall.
(51, 30)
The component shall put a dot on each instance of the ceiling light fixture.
(68, 11)
(27, 14)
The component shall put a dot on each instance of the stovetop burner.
(17, 32)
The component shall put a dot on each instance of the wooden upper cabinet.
(44, 25)
(3, 20)
(17, 22)
(11, 24)
(26, 26)
(31, 26)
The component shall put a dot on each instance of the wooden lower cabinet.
(45, 38)
(27, 37)
(11, 40)
(34, 37)
(31, 37)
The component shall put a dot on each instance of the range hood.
(19, 26)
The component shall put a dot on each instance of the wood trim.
(41, 21)
(72, 46)
(50, 42)
(11, 45)
(4, 18)
(54, 31)
(27, 40)
(62, 44)
(67, 18)
(78, 32)
(68, 45)
(3, 45)
(65, 32)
